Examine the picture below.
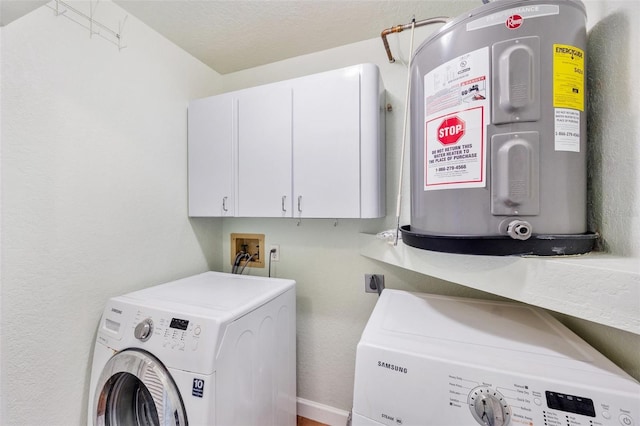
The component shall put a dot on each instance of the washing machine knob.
(489, 407)
(144, 330)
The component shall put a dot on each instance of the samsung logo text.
(392, 367)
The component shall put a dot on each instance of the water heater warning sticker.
(454, 150)
(456, 116)
(567, 130)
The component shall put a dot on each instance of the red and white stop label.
(451, 130)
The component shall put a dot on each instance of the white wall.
(94, 199)
(614, 127)
(332, 306)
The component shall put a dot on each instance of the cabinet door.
(264, 152)
(211, 161)
(326, 145)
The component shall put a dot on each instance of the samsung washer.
(212, 349)
(444, 361)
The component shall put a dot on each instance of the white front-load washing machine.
(211, 349)
(426, 360)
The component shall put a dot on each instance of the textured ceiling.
(233, 35)
(10, 10)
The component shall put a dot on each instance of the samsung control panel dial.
(489, 407)
(144, 330)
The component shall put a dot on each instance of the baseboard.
(322, 413)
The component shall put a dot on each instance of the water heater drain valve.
(519, 229)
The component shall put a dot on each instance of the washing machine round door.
(136, 389)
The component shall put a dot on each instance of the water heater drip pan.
(499, 245)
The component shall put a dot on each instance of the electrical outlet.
(372, 281)
(276, 255)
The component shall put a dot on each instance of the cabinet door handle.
(284, 198)
(224, 204)
(300, 203)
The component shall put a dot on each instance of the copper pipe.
(400, 28)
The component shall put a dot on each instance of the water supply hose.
(404, 135)
(397, 29)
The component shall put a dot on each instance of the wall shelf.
(597, 287)
(94, 27)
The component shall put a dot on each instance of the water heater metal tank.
(498, 133)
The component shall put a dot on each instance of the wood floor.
(303, 421)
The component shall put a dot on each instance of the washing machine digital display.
(178, 323)
(570, 403)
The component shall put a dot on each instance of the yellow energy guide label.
(568, 77)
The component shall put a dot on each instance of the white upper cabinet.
(211, 158)
(264, 151)
(311, 147)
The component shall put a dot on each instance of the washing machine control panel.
(507, 401)
(179, 339)
(155, 330)
(401, 389)
(489, 406)
(173, 333)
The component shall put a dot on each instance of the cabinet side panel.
(372, 143)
